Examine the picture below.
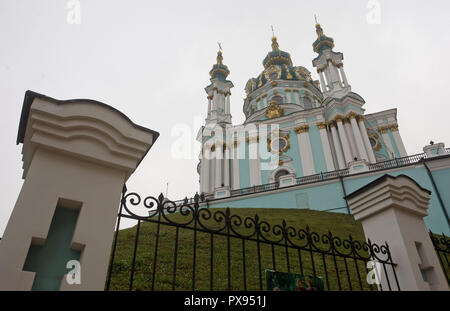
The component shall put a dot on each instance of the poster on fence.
(282, 281)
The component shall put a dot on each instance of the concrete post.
(391, 209)
(77, 156)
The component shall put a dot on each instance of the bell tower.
(330, 66)
(219, 93)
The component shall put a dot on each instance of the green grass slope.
(228, 254)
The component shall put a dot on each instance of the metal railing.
(441, 245)
(394, 163)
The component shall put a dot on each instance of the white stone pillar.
(351, 139)
(326, 146)
(337, 146)
(365, 136)
(391, 209)
(322, 82)
(359, 140)
(344, 141)
(219, 161)
(235, 160)
(305, 150)
(227, 106)
(398, 140)
(264, 100)
(387, 141)
(296, 97)
(209, 106)
(226, 167)
(344, 77)
(254, 162)
(77, 155)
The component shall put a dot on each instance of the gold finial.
(219, 54)
(275, 46)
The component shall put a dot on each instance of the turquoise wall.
(317, 150)
(330, 196)
(394, 145)
(244, 169)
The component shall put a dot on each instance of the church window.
(279, 144)
(280, 174)
(273, 76)
(373, 142)
(307, 103)
(278, 99)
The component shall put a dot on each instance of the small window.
(273, 76)
(373, 142)
(280, 174)
(307, 103)
(278, 99)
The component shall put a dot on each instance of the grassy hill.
(335, 269)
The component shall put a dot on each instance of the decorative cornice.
(253, 139)
(302, 129)
(352, 115)
(393, 127)
(322, 125)
(338, 119)
(383, 129)
(345, 120)
(332, 123)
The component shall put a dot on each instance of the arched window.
(278, 99)
(280, 174)
(307, 103)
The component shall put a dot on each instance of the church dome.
(278, 66)
(276, 56)
(323, 42)
(219, 70)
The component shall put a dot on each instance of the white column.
(351, 139)
(345, 143)
(227, 105)
(329, 81)
(358, 138)
(391, 210)
(264, 101)
(363, 131)
(226, 167)
(204, 173)
(398, 140)
(296, 97)
(344, 77)
(209, 106)
(235, 164)
(219, 160)
(387, 142)
(326, 146)
(305, 150)
(322, 82)
(337, 146)
(255, 167)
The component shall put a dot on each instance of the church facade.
(306, 143)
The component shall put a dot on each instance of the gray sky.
(150, 60)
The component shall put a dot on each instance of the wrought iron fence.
(196, 248)
(441, 244)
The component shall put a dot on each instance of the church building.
(307, 143)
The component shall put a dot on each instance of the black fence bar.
(441, 244)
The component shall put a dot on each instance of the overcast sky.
(150, 60)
